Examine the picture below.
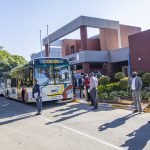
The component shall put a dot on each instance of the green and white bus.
(53, 75)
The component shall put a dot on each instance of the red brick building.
(106, 41)
(107, 52)
(139, 45)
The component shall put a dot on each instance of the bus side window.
(13, 82)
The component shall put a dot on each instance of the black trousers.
(23, 95)
(81, 88)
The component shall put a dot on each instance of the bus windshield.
(52, 74)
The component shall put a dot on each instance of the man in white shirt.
(136, 86)
(93, 89)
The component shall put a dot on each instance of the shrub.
(147, 95)
(140, 73)
(147, 89)
(143, 94)
(119, 75)
(113, 87)
(103, 96)
(104, 80)
(123, 94)
(113, 95)
(124, 83)
(129, 95)
(146, 78)
(101, 89)
(109, 87)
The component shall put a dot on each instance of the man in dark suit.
(135, 84)
(81, 84)
(36, 95)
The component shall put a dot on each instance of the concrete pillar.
(47, 51)
(83, 34)
(109, 39)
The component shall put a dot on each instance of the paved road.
(71, 126)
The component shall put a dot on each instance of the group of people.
(90, 83)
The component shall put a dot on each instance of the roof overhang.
(113, 56)
(77, 23)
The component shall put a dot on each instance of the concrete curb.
(116, 106)
(147, 110)
(127, 107)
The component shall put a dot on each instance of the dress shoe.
(94, 109)
(135, 111)
(37, 114)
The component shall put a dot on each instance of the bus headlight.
(69, 91)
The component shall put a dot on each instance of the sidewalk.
(117, 106)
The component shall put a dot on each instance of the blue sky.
(21, 20)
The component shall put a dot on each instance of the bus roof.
(32, 63)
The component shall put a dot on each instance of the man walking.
(81, 84)
(136, 85)
(36, 95)
(93, 90)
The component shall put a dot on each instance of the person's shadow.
(116, 123)
(140, 138)
(70, 112)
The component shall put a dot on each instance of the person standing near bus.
(87, 87)
(23, 92)
(93, 90)
(135, 84)
(81, 84)
(36, 95)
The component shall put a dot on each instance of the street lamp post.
(48, 42)
(41, 42)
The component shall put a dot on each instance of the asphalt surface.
(71, 126)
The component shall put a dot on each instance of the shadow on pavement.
(75, 110)
(14, 108)
(139, 138)
(16, 119)
(116, 123)
(67, 113)
(66, 118)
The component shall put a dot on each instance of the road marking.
(86, 135)
(4, 105)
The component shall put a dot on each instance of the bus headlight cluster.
(69, 91)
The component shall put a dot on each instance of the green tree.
(8, 61)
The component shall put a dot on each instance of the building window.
(125, 70)
(72, 49)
